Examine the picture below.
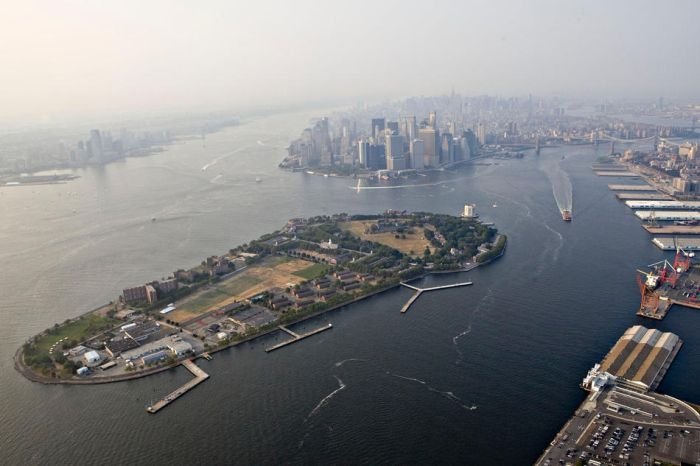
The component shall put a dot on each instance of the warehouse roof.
(641, 355)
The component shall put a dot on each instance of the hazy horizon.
(76, 58)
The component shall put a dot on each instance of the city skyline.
(78, 58)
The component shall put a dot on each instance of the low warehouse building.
(641, 356)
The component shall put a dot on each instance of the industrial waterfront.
(453, 378)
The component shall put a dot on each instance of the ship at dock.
(566, 215)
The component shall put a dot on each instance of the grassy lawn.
(238, 284)
(78, 330)
(415, 242)
(273, 261)
(313, 271)
(203, 300)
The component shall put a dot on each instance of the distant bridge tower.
(537, 146)
(612, 147)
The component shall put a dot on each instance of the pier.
(199, 377)
(673, 229)
(420, 291)
(631, 187)
(642, 196)
(296, 336)
(617, 173)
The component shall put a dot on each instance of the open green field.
(238, 284)
(78, 330)
(203, 300)
(313, 271)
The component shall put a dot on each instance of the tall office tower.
(471, 142)
(465, 150)
(363, 153)
(95, 144)
(377, 157)
(393, 126)
(453, 128)
(447, 153)
(432, 120)
(394, 151)
(417, 151)
(378, 126)
(431, 146)
(481, 133)
(411, 129)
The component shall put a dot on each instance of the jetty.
(199, 377)
(420, 291)
(296, 336)
(631, 187)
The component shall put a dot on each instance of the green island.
(310, 266)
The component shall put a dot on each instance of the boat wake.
(359, 188)
(445, 394)
(340, 363)
(222, 157)
(485, 300)
(561, 183)
(327, 398)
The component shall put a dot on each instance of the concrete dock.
(296, 336)
(673, 230)
(669, 243)
(631, 187)
(617, 173)
(642, 196)
(419, 291)
(199, 377)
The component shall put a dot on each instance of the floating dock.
(199, 377)
(420, 291)
(631, 187)
(296, 336)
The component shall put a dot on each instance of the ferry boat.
(566, 215)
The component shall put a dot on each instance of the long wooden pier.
(420, 291)
(296, 336)
(199, 377)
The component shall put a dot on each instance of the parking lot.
(626, 428)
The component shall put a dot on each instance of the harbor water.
(483, 374)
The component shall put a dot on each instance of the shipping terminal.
(623, 420)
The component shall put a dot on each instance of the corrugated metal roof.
(640, 354)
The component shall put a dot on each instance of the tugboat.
(566, 215)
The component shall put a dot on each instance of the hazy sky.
(72, 57)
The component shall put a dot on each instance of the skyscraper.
(96, 145)
(378, 126)
(432, 120)
(431, 141)
(363, 153)
(417, 151)
(393, 126)
(447, 154)
(411, 130)
(394, 151)
(481, 133)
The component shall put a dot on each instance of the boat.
(566, 215)
(258, 180)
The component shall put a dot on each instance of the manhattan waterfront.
(481, 374)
